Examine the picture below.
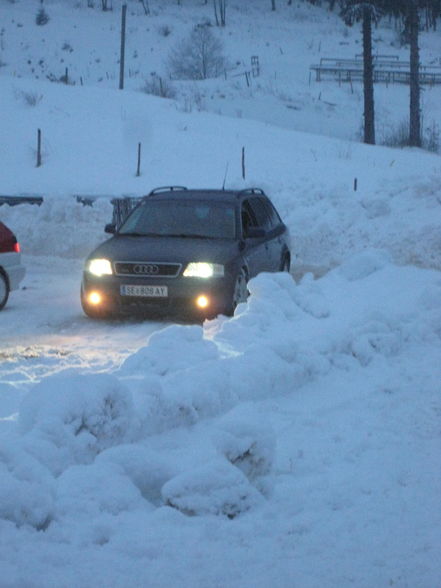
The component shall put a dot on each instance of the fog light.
(202, 301)
(95, 298)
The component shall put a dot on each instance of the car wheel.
(286, 264)
(240, 290)
(4, 290)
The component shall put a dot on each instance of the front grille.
(147, 269)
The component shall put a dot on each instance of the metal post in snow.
(123, 46)
(138, 169)
(38, 147)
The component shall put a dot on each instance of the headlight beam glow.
(204, 270)
(100, 267)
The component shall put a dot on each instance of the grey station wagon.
(182, 250)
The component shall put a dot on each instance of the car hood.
(166, 249)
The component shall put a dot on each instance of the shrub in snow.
(42, 17)
(164, 30)
(431, 138)
(68, 419)
(157, 86)
(30, 98)
(198, 57)
(399, 136)
(217, 488)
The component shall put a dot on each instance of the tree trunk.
(414, 115)
(368, 78)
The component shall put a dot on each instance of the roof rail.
(251, 191)
(166, 189)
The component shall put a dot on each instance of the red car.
(11, 270)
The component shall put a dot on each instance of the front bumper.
(181, 298)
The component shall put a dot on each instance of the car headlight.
(204, 270)
(100, 267)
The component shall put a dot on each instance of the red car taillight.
(8, 242)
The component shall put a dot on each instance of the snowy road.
(43, 329)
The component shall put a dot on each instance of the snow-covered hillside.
(310, 178)
(295, 444)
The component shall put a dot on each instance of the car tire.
(240, 291)
(4, 289)
(285, 266)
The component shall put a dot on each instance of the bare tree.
(366, 11)
(145, 5)
(220, 12)
(198, 57)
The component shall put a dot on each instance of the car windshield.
(172, 218)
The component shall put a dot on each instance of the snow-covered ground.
(295, 444)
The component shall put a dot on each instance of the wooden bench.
(386, 69)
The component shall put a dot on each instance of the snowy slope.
(310, 178)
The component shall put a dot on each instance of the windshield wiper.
(187, 236)
(135, 234)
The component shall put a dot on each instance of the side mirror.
(110, 228)
(255, 233)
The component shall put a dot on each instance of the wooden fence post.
(123, 46)
(38, 147)
(138, 169)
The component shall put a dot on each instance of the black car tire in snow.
(285, 266)
(4, 289)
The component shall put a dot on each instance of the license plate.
(147, 291)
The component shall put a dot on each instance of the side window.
(259, 209)
(248, 217)
(273, 215)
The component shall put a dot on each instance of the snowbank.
(181, 425)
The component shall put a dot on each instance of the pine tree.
(352, 12)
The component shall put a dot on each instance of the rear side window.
(272, 213)
(258, 207)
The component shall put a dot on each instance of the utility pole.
(123, 46)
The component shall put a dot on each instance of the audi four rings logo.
(149, 269)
